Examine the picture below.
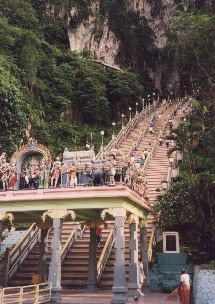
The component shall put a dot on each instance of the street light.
(113, 124)
(123, 116)
(102, 145)
(129, 113)
(136, 107)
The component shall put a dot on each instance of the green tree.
(13, 114)
(188, 206)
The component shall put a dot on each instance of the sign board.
(170, 242)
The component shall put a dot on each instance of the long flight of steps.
(24, 274)
(132, 137)
(75, 266)
(158, 168)
(107, 278)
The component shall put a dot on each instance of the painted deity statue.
(12, 176)
(55, 173)
(43, 173)
(4, 172)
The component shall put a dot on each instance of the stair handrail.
(142, 134)
(105, 254)
(21, 241)
(15, 257)
(115, 141)
(67, 246)
(37, 293)
(74, 235)
(151, 243)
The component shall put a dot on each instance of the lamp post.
(102, 145)
(129, 113)
(123, 116)
(148, 99)
(136, 107)
(143, 102)
(113, 124)
(153, 98)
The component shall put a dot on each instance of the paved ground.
(81, 297)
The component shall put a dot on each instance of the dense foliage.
(47, 87)
(188, 206)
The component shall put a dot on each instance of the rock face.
(94, 35)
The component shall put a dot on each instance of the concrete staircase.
(75, 266)
(30, 265)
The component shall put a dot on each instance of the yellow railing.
(14, 249)
(14, 257)
(22, 254)
(31, 294)
(151, 243)
(105, 253)
(68, 244)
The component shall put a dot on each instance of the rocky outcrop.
(95, 36)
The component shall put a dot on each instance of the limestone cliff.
(95, 35)
(135, 46)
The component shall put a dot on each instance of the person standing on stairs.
(145, 153)
(141, 276)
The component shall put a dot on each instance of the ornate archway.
(31, 150)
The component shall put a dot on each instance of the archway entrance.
(27, 158)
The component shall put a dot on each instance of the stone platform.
(70, 296)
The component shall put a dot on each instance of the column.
(133, 283)
(144, 254)
(1, 230)
(119, 287)
(42, 266)
(55, 265)
(92, 268)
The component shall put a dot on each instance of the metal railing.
(31, 294)
(15, 257)
(105, 254)
(127, 129)
(74, 235)
(151, 243)
(152, 240)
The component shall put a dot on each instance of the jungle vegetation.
(188, 206)
(46, 88)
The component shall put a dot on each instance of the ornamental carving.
(132, 219)
(6, 216)
(58, 214)
(31, 146)
(114, 212)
